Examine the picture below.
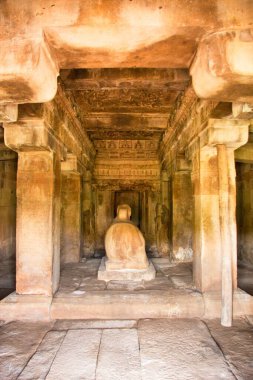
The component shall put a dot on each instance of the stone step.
(129, 305)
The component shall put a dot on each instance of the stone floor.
(80, 278)
(147, 349)
(81, 295)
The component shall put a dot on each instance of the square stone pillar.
(162, 217)
(182, 211)
(70, 211)
(206, 242)
(88, 216)
(213, 176)
(38, 207)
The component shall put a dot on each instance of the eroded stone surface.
(119, 356)
(39, 364)
(18, 342)
(188, 351)
(77, 356)
(236, 343)
(150, 349)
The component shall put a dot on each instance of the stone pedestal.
(125, 274)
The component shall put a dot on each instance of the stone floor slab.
(77, 356)
(119, 356)
(236, 343)
(180, 350)
(39, 365)
(18, 342)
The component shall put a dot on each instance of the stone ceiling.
(129, 103)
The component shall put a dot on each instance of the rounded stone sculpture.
(124, 243)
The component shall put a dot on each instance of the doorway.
(132, 198)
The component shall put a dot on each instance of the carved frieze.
(127, 170)
(126, 149)
(118, 99)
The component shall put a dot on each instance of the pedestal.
(125, 274)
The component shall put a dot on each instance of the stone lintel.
(31, 135)
(26, 65)
(8, 113)
(223, 66)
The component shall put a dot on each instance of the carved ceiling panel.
(126, 103)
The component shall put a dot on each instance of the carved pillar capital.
(179, 164)
(230, 132)
(32, 135)
(71, 164)
(223, 66)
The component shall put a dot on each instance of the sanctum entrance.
(132, 198)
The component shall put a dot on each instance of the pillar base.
(126, 274)
(25, 307)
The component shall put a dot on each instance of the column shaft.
(70, 217)
(182, 208)
(38, 221)
(226, 243)
(206, 247)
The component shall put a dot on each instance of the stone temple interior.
(137, 102)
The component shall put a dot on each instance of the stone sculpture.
(124, 243)
(126, 257)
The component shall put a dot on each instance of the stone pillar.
(8, 178)
(162, 217)
(38, 207)
(70, 210)
(182, 211)
(88, 216)
(164, 188)
(210, 215)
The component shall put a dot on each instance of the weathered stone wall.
(245, 211)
